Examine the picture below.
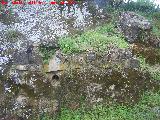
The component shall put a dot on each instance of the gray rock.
(91, 56)
(54, 64)
(132, 63)
(133, 26)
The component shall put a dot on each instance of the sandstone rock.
(54, 64)
(21, 67)
(34, 67)
(134, 26)
(23, 58)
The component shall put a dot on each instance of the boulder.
(134, 26)
(54, 64)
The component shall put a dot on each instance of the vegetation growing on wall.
(47, 52)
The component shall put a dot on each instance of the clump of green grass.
(0, 7)
(156, 31)
(107, 28)
(97, 39)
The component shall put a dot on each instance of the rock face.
(117, 54)
(30, 94)
(132, 63)
(22, 58)
(107, 85)
(133, 26)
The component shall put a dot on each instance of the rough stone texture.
(29, 67)
(92, 90)
(21, 101)
(56, 63)
(132, 63)
(29, 94)
(105, 85)
(133, 26)
(21, 67)
(154, 41)
(117, 54)
(23, 58)
(47, 105)
(91, 56)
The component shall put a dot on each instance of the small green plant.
(68, 45)
(47, 52)
(107, 28)
(0, 7)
